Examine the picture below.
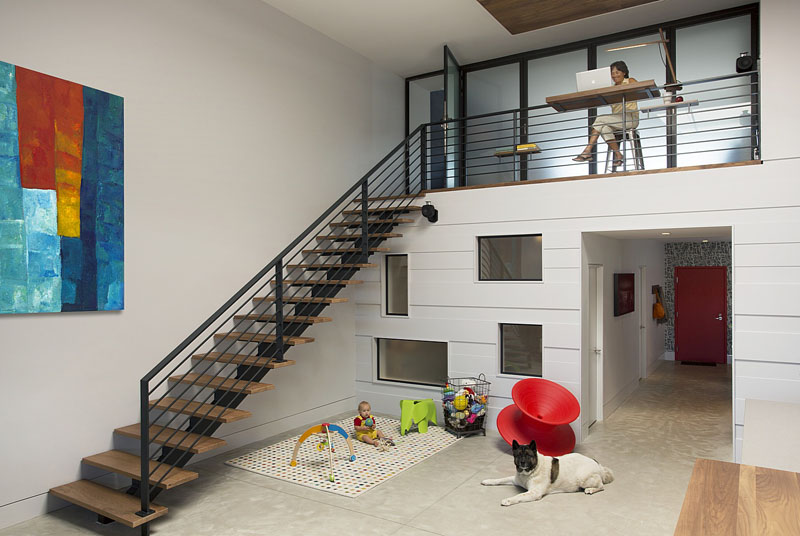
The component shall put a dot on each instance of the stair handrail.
(144, 485)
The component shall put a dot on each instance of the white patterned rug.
(370, 468)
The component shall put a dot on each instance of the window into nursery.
(406, 361)
(510, 258)
(397, 285)
(521, 349)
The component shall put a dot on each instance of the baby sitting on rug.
(367, 430)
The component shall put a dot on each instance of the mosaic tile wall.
(692, 254)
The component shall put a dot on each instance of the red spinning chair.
(542, 411)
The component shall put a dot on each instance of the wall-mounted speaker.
(745, 63)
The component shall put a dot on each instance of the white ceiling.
(406, 36)
(679, 234)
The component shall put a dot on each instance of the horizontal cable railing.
(709, 121)
(716, 122)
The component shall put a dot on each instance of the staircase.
(199, 385)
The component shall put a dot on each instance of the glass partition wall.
(491, 90)
(718, 131)
(720, 125)
(558, 134)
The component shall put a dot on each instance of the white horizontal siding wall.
(447, 303)
(767, 317)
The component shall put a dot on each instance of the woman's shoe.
(583, 158)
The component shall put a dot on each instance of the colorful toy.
(369, 422)
(419, 411)
(460, 402)
(324, 428)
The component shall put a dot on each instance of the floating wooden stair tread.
(323, 266)
(301, 299)
(314, 282)
(390, 197)
(177, 439)
(196, 409)
(290, 319)
(243, 359)
(397, 208)
(224, 384)
(334, 251)
(246, 336)
(357, 223)
(129, 465)
(357, 236)
(113, 504)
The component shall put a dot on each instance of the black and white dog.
(540, 474)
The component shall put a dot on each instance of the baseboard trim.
(669, 355)
(611, 406)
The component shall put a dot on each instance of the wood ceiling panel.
(519, 16)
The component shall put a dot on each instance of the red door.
(701, 311)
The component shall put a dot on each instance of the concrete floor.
(678, 414)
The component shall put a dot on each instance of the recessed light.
(665, 233)
(705, 241)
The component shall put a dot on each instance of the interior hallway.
(679, 413)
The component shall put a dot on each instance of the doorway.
(595, 408)
(701, 310)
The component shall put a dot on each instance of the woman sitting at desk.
(607, 125)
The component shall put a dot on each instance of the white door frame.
(643, 317)
(596, 353)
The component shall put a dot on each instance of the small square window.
(397, 285)
(510, 258)
(422, 362)
(521, 349)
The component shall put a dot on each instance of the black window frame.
(502, 353)
(503, 280)
(378, 361)
(386, 289)
(591, 45)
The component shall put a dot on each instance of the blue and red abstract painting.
(61, 195)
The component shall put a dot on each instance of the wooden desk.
(729, 499)
(604, 96)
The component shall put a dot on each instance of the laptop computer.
(586, 80)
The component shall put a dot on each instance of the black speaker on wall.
(745, 62)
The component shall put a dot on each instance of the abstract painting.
(624, 294)
(61, 195)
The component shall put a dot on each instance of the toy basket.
(464, 403)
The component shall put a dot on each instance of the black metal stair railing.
(265, 323)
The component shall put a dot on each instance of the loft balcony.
(709, 122)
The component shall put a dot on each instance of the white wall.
(448, 304)
(778, 27)
(241, 127)
(648, 253)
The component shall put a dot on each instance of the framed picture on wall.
(623, 294)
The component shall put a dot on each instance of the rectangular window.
(397, 285)
(521, 349)
(421, 362)
(510, 258)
